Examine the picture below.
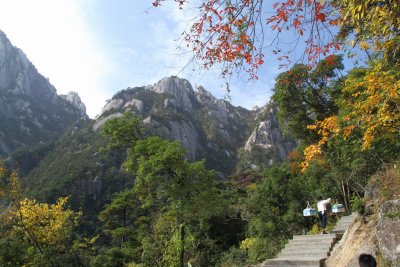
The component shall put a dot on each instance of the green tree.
(304, 96)
(184, 192)
(176, 198)
(124, 131)
(119, 215)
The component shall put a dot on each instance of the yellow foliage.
(251, 186)
(247, 243)
(14, 187)
(375, 23)
(326, 129)
(47, 224)
(373, 107)
(42, 224)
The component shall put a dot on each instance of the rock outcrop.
(31, 112)
(388, 230)
(208, 127)
(267, 140)
(75, 100)
(180, 89)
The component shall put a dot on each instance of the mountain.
(208, 127)
(212, 129)
(31, 111)
(58, 149)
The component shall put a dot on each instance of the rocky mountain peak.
(181, 89)
(16, 72)
(31, 112)
(267, 137)
(75, 100)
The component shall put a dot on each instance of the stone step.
(303, 244)
(293, 262)
(314, 237)
(303, 254)
(342, 228)
(346, 219)
(280, 265)
(344, 222)
(310, 250)
(338, 231)
(311, 241)
(288, 265)
(305, 249)
(308, 247)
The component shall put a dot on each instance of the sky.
(97, 48)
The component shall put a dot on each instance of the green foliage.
(234, 257)
(113, 257)
(119, 218)
(304, 96)
(123, 132)
(171, 201)
(27, 158)
(76, 168)
(272, 210)
(357, 204)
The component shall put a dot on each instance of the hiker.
(322, 211)
(366, 260)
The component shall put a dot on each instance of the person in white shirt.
(322, 212)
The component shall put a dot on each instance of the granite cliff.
(31, 111)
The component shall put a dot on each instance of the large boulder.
(388, 231)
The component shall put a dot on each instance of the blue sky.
(97, 48)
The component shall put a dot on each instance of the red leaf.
(320, 16)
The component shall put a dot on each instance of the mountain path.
(310, 250)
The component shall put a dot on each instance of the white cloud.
(56, 39)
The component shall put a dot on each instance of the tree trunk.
(348, 198)
(182, 252)
(345, 197)
(124, 225)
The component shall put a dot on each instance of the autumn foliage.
(232, 33)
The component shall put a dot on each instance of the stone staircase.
(309, 250)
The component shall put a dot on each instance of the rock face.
(208, 127)
(75, 100)
(31, 112)
(266, 144)
(180, 89)
(388, 231)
